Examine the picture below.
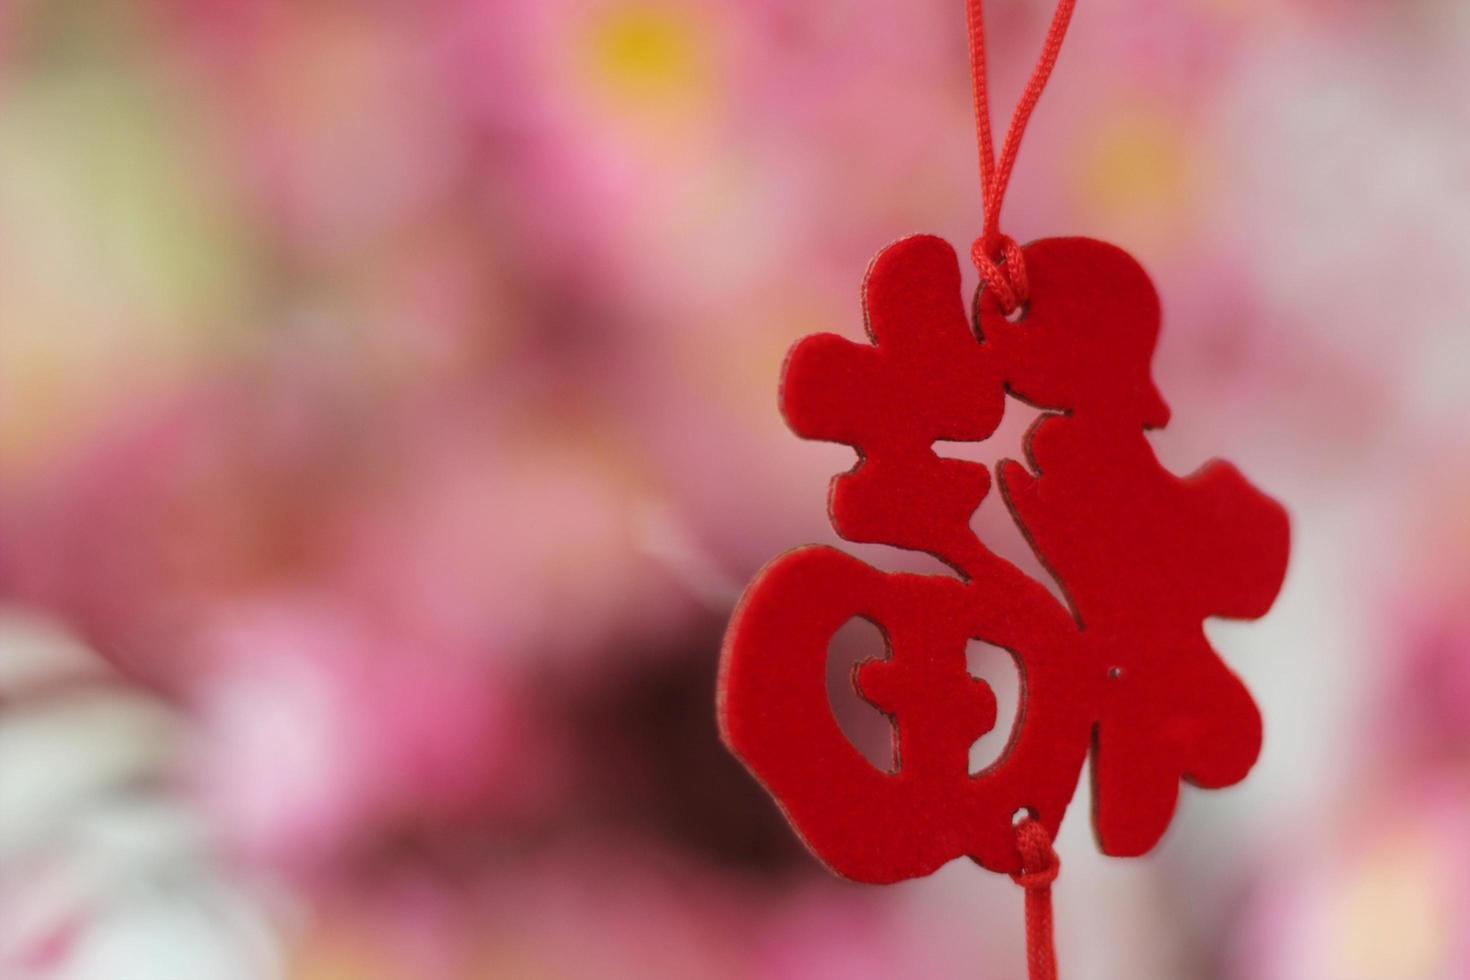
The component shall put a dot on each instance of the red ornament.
(1143, 556)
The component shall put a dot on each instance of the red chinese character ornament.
(1120, 673)
(1143, 556)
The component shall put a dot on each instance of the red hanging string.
(1003, 268)
(1039, 868)
(997, 256)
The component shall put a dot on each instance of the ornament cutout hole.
(869, 730)
(993, 522)
(999, 668)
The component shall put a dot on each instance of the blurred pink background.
(388, 423)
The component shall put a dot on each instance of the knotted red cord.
(1039, 868)
(997, 256)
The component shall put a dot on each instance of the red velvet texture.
(1142, 555)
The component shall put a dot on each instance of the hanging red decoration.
(1122, 671)
(1143, 556)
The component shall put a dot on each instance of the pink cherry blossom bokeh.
(388, 425)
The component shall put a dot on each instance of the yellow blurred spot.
(125, 261)
(646, 57)
(1138, 172)
(1390, 919)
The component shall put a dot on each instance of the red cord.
(1039, 868)
(997, 256)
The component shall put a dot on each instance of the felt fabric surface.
(1123, 670)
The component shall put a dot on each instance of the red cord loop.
(997, 257)
(1040, 866)
(1040, 863)
(1007, 277)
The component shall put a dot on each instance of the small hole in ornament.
(1022, 815)
(869, 730)
(1115, 673)
(1019, 313)
(998, 668)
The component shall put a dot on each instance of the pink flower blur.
(388, 399)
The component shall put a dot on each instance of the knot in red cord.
(1006, 277)
(1040, 864)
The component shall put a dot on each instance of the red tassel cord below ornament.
(1039, 868)
(1120, 671)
